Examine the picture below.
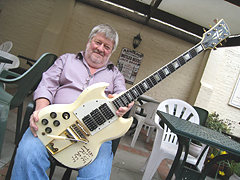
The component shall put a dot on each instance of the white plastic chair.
(13, 58)
(6, 46)
(149, 110)
(4, 49)
(166, 143)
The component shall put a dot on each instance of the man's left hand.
(122, 110)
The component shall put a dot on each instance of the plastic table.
(187, 131)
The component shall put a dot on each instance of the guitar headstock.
(215, 35)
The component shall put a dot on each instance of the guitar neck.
(146, 84)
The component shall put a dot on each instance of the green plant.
(234, 167)
(217, 124)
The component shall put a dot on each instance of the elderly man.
(62, 84)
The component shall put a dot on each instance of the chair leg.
(67, 174)
(19, 120)
(25, 124)
(136, 134)
(52, 166)
(150, 133)
(4, 110)
(10, 167)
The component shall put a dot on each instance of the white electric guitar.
(73, 133)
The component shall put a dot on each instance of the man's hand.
(40, 104)
(33, 119)
(122, 110)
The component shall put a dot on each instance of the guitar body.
(76, 154)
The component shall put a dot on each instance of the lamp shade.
(136, 41)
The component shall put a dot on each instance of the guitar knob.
(48, 130)
(53, 115)
(44, 121)
(66, 115)
(56, 123)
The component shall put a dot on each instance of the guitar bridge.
(78, 132)
(74, 134)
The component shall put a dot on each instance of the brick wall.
(227, 61)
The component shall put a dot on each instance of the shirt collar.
(109, 64)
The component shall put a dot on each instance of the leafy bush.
(213, 122)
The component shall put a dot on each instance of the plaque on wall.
(235, 99)
(129, 63)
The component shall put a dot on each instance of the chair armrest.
(137, 109)
(5, 74)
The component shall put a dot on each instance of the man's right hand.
(33, 119)
(40, 104)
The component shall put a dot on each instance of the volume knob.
(53, 115)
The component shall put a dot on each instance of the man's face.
(98, 50)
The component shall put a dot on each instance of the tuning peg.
(210, 26)
(204, 30)
(220, 44)
(215, 48)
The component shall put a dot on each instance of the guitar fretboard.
(159, 75)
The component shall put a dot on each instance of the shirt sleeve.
(50, 81)
(119, 82)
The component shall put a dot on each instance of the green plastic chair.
(203, 115)
(26, 83)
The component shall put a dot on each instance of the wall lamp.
(136, 41)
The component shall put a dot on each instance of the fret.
(153, 80)
(166, 71)
(157, 77)
(176, 64)
(181, 60)
(128, 96)
(142, 88)
(171, 67)
(138, 89)
(187, 57)
(149, 82)
(134, 93)
(121, 102)
(124, 100)
(116, 104)
(193, 52)
(199, 48)
(162, 75)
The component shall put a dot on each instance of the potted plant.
(215, 123)
(195, 148)
(235, 169)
